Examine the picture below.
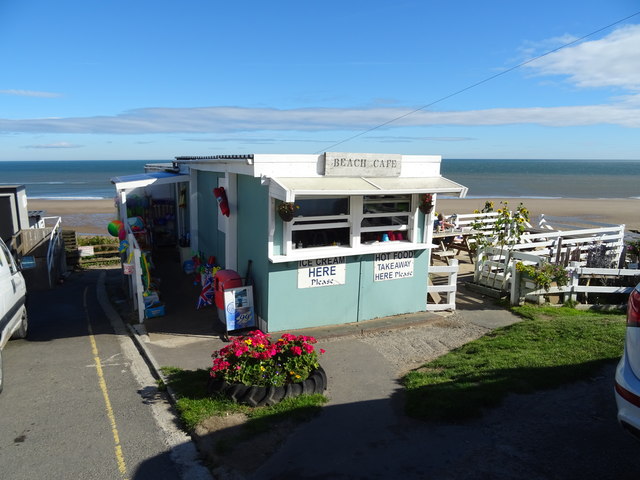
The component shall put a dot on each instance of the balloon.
(122, 234)
(115, 227)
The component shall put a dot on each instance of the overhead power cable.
(504, 72)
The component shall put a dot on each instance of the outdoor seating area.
(594, 266)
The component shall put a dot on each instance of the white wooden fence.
(483, 221)
(32, 241)
(581, 281)
(496, 270)
(494, 264)
(448, 288)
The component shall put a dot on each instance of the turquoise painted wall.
(360, 298)
(291, 307)
(210, 240)
(253, 237)
(393, 297)
(278, 234)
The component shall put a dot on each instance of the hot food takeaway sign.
(339, 164)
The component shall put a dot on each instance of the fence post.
(479, 265)
(515, 285)
(574, 280)
(453, 280)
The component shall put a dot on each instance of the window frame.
(353, 220)
(385, 199)
(333, 221)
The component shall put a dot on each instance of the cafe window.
(321, 222)
(385, 217)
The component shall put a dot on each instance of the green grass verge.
(195, 405)
(97, 240)
(551, 347)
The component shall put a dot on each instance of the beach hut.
(320, 239)
(152, 211)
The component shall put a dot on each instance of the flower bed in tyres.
(257, 371)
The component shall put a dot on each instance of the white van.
(13, 294)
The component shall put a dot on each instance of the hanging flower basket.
(426, 203)
(286, 216)
(426, 208)
(286, 211)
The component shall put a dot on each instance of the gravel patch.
(409, 348)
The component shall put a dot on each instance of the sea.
(485, 178)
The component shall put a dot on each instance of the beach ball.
(136, 223)
(115, 227)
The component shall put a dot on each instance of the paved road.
(73, 405)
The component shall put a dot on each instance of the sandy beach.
(570, 211)
(83, 216)
(93, 216)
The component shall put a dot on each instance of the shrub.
(545, 274)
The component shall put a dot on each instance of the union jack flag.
(206, 295)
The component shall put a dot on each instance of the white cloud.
(406, 139)
(30, 93)
(624, 112)
(54, 145)
(612, 61)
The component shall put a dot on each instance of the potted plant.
(545, 274)
(286, 211)
(633, 250)
(255, 370)
(426, 203)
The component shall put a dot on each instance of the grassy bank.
(551, 347)
(195, 405)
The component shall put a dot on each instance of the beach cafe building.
(322, 239)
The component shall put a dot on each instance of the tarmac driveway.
(566, 433)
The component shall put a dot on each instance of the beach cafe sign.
(339, 164)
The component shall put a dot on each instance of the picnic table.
(448, 249)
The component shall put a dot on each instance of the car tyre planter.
(257, 396)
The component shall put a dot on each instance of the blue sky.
(154, 80)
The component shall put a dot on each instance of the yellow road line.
(122, 467)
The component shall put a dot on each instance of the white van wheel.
(1, 375)
(21, 332)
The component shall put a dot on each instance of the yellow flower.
(248, 341)
(297, 376)
(262, 369)
(292, 373)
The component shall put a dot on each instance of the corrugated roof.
(150, 178)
